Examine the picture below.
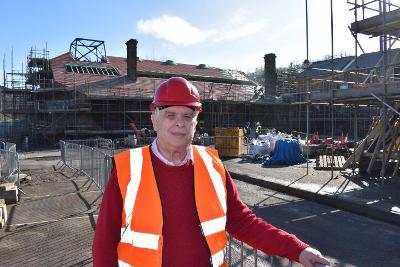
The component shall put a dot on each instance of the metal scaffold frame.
(381, 79)
(73, 110)
(83, 49)
(384, 24)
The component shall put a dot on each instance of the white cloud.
(292, 26)
(240, 15)
(174, 29)
(250, 62)
(244, 30)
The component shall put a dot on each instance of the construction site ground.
(54, 221)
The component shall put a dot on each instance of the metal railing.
(90, 161)
(240, 254)
(9, 163)
(94, 142)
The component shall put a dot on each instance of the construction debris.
(9, 192)
(3, 213)
(379, 150)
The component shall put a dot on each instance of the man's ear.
(153, 121)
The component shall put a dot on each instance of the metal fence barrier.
(9, 163)
(94, 142)
(90, 161)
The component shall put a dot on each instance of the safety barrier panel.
(9, 163)
(89, 161)
(94, 142)
(240, 254)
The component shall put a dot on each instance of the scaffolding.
(355, 77)
(380, 19)
(352, 84)
(82, 49)
(94, 99)
(17, 95)
(38, 73)
(83, 106)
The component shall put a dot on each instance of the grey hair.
(157, 111)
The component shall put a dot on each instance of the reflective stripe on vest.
(219, 258)
(123, 264)
(214, 226)
(210, 195)
(216, 178)
(141, 229)
(141, 240)
(133, 185)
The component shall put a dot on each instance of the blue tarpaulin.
(287, 152)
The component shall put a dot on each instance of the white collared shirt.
(154, 149)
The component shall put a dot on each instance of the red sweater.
(183, 242)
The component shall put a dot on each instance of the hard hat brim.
(197, 106)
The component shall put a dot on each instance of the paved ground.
(54, 222)
(347, 239)
(359, 194)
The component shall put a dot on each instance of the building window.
(94, 70)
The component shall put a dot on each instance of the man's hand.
(310, 256)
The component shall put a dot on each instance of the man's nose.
(180, 121)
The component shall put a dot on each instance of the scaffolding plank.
(388, 22)
(355, 94)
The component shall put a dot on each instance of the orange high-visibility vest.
(142, 220)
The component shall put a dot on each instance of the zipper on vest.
(198, 219)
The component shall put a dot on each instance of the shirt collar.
(154, 149)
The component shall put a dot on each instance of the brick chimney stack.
(131, 59)
(271, 78)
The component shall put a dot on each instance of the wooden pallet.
(324, 162)
(385, 130)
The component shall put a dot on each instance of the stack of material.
(287, 152)
(229, 141)
(3, 213)
(9, 192)
(380, 149)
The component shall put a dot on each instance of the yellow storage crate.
(233, 131)
(229, 141)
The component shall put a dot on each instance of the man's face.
(175, 126)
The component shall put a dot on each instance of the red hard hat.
(176, 91)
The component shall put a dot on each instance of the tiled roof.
(178, 69)
(371, 60)
(364, 61)
(144, 68)
(323, 68)
(144, 88)
(212, 83)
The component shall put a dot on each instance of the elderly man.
(172, 204)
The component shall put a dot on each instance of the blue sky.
(232, 34)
